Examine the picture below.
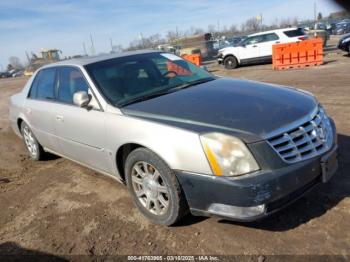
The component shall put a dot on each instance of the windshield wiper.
(193, 83)
(146, 97)
(164, 92)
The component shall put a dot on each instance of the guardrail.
(297, 55)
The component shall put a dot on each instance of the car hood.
(249, 110)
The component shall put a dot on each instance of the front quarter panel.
(231, 51)
(180, 149)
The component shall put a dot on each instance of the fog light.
(235, 211)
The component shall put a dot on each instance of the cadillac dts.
(180, 138)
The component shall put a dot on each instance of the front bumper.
(270, 189)
(220, 60)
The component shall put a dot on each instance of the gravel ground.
(58, 207)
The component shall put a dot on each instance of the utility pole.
(84, 48)
(142, 41)
(110, 39)
(92, 46)
(315, 11)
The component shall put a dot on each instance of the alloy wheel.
(30, 141)
(150, 188)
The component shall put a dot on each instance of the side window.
(70, 80)
(33, 89)
(44, 85)
(254, 40)
(271, 37)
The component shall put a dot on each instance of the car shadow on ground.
(10, 251)
(316, 202)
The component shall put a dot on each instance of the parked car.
(5, 74)
(257, 48)
(180, 138)
(331, 27)
(342, 28)
(320, 26)
(344, 43)
(18, 73)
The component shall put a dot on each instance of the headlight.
(228, 156)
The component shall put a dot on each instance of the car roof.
(275, 31)
(86, 60)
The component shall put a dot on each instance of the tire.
(230, 62)
(154, 188)
(35, 150)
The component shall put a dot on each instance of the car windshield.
(134, 78)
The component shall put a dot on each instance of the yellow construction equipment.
(47, 56)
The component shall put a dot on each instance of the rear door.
(265, 47)
(40, 108)
(81, 132)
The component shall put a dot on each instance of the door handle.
(277, 42)
(59, 118)
(255, 46)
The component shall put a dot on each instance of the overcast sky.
(30, 25)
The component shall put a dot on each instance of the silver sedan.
(180, 138)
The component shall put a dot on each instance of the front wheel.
(230, 62)
(154, 187)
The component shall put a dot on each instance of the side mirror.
(81, 98)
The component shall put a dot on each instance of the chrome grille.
(308, 140)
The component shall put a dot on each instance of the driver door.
(249, 49)
(81, 132)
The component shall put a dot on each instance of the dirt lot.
(58, 207)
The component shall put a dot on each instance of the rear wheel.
(230, 62)
(35, 150)
(154, 187)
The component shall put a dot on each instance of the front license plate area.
(329, 165)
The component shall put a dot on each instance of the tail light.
(302, 38)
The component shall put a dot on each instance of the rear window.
(294, 33)
(43, 85)
(271, 37)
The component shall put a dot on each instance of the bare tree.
(233, 30)
(15, 62)
(172, 35)
(195, 31)
(252, 24)
(142, 42)
(319, 16)
(211, 28)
